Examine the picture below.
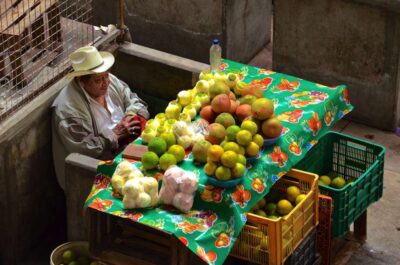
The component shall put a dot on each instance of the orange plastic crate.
(324, 229)
(267, 241)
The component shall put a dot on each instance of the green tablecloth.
(307, 110)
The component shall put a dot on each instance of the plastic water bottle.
(215, 55)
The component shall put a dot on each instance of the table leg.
(360, 227)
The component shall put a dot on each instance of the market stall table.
(307, 110)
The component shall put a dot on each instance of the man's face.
(97, 84)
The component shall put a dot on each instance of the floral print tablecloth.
(307, 110)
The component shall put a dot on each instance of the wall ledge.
(389, 5)
(162, 57)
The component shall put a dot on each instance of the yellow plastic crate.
(267, 241)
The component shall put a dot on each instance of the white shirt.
(106, 118)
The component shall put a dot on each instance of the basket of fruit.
(76, 252)
(351, 173)
(281, 220)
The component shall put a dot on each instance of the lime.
(326, 180)
(167, 160)
(169, 138)
(178, 151)
(252, 149)
(241, 159)
(68, 256)
(244, 137)
(231, 132)
(150, 160)
(223, 173)
(238, 170)
(258, 139)
(215, 152)
(157, 145)
(338, 183)
(229, 159)
(250, 126)
(231, 146)
(260, 213)
(210, 167)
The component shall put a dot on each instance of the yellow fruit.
(338, 183)
(252, 149)
(238, 170)
(241, 159)
(231, 132)
(250, 126)
(167, 160)
(326, 180)
(200, 151)
(258, 139)
(215, 152)
(169, 138)
(229, 159)
(244, 137)
(284, 207)
(209, 168)
(242, 150)
(178, 151)
(223, 173)
(231, 146)
(292, 192)
(300, 198)
(262, 108)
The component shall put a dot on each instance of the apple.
(203, 98)
(173, 110)
(184, 98)
(202, 86)
(191, 110)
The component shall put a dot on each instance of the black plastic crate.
(306, 252)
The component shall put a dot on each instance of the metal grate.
(36, 37)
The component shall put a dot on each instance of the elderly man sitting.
(96, 114)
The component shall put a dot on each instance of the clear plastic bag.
(178, 188)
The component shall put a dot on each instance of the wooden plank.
(35, 13)
(6, 4)
(13, 14)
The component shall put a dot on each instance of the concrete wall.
(32, 208)
(344, 42)
(187, 28)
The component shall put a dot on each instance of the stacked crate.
(272, 241)
(30, 37)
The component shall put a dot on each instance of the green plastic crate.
(355, 160)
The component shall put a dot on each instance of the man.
(96, 114)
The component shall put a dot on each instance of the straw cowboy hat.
(88, 60)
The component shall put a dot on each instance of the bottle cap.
(215, 41)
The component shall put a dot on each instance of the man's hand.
(127, 127)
